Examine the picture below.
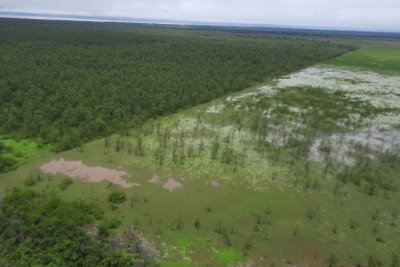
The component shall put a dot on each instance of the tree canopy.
(42, 230)
(67, 82)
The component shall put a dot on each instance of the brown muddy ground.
(171, 184)
(76, 169)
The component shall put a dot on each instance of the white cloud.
(384, 14)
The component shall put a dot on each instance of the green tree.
(117, 197)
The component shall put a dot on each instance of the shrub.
(30, 181)
(117, 197)
(65, 183)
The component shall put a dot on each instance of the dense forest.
(67, 82)
(42, 230)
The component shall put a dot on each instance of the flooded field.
(378, 132)
(331, 116)
(379, 89)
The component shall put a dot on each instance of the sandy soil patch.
(214, 184)
(172, 184)
(155, 180)
(76, 169)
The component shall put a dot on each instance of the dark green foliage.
(6, 163)
(66, 82)
(113, 223)
(39, 230)
(65, 183)
(354, 224)
(30, 181)
(332, 261)
(105, 227)
(117, 197)
(197, 223)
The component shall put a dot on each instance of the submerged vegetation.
(302, 170)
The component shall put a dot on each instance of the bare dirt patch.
(155, 180)
(76, 169)
(214, 183)
(172, 184)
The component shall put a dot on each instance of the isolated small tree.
(332, 261)
(337, 188)
(214, 149)
(247, 247)
(311, 214)
(30, 181)
(197, 224)
(65, 183)
(106, 143)
(130, 149)
(335, 229)
(354, 224)
(117, 197)
(268, 210)
(139, 150)
(179, 224)
(296, 230)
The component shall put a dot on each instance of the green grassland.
(14, 152)
(273, 224)
(250, 191)
(21, 148)
(377, 59)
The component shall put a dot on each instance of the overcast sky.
(363, 14)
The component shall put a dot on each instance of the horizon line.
(96, 18)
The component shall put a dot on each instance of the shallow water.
(380, 90)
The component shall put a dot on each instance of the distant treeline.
(295, 32)
(67, 82)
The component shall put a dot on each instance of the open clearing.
(76, 169)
